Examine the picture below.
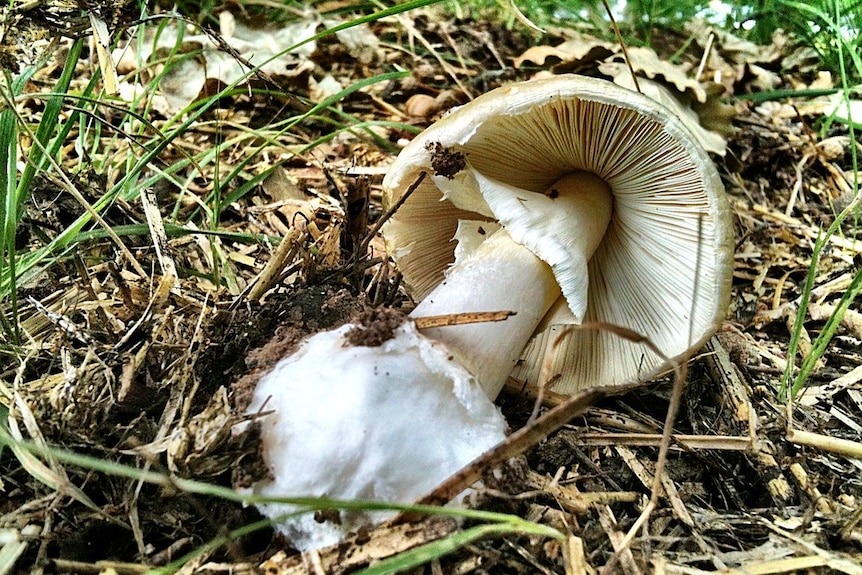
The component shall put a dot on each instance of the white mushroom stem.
(504, 273)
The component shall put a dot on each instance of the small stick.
(542, 427)
(283, 254)
(518, 443)
(449, 319)
(157, 231)
(845, 447)
(705, 59)
(687, 442)
(622, 553)
(390, 212)
(515, 444)
(622, 44)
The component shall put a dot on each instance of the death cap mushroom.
(663, 266)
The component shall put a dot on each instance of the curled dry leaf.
(316, 216)
(360, 42)
(646, 62)
(732, 49)
(196, 59)
(571, 53)
(583, 51)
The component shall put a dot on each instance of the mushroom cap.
(663, 268)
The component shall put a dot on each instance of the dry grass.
(140, 350)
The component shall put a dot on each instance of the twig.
(837, 445)
(622, 553)
(390, 212)
(687, 442)
(451, 319)
(518, 443)
(283, 254)
(622, 44)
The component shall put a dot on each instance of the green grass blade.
(10, 207)
(310, 503)
(50, 133)
(838, 33)
(773, 95)
(11, 202)
(827, 333)
(801, 312)
(210, 546)
(845, 42)
(127, 184)
(317, 108)
(386, 12)
(494, 523)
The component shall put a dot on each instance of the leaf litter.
(152, 371)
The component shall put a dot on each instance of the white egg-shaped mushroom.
(649, 247)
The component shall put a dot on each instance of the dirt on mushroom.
(446, 162)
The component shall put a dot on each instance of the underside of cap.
(663, 267)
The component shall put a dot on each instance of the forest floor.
(123, 361)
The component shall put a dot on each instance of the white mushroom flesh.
(545, 237)
(385, 423)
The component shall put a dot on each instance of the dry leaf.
(571, 53)
(646, 62)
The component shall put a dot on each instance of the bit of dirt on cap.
(445, 161)
(374, 326)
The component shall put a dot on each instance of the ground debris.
(361, 550)
(147, 358)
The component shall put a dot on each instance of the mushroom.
(623, 212)
(568, 200)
